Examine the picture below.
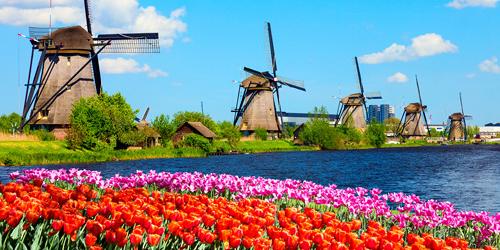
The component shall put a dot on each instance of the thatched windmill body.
(256, 107)
(457, 127)
(68, 69)
(411, 124)
(352, 108)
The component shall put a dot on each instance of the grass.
(26, 153)
(271, 146)
(23, 153)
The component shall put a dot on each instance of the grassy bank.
(24, 153)
(271, 146)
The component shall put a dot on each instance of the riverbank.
(27, 153)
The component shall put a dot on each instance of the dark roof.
(493, 124)
(198, 126)
(305, 115)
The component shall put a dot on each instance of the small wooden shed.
(152, 137)
(192, 128)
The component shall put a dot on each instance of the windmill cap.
(74, 38)
(456, 116)
(414, 107)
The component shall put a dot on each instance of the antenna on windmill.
(50, 18)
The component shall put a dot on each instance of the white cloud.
(422, 46)
(398, 78)
(460, 4)
(108, 16)
(124, 66)
(490, 66)
(36, 3)
(40, 16)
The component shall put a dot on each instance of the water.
(468, 176)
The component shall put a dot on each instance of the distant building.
(392, 111)
(373, 113)
(438, 127)
(385, 112)
(490, 130)
(492, 124)
(296, 119)
(380, 113)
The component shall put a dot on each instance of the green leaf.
(36, 238)
(16, 233)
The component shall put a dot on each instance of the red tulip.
(90, 240)
(153, 239)
(135, 239)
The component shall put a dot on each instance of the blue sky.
(452, 45)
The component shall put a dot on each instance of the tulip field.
(79, 209)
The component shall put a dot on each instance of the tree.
(9, 123)
(435, 133)
(392, 124)
(472, 131)
(317, 131)
(102, 122)
(165, 128)
(186, 116)
(230, 132)
(375, 134)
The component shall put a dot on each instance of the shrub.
(165, 128)
(100, 120)
(196, 141)
(229, 132)
(317, 131)
(392, 124)
(352, 135)
(375, 134)
(9, 123)
(221, 147)
(43, 135)
(260, 134)
(132, 138)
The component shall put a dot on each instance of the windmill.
(352, 108)
(411, 125)
(457, 127)
(68, 69)
(144, 117)
(256, 106)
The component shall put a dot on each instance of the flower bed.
(407, 212)
(58, 218)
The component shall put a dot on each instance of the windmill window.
(44, 113)
(69, 61)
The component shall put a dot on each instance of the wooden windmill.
(351, 110)
(411, 125)
(256, 107)
(68, 69)
(457, 127)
